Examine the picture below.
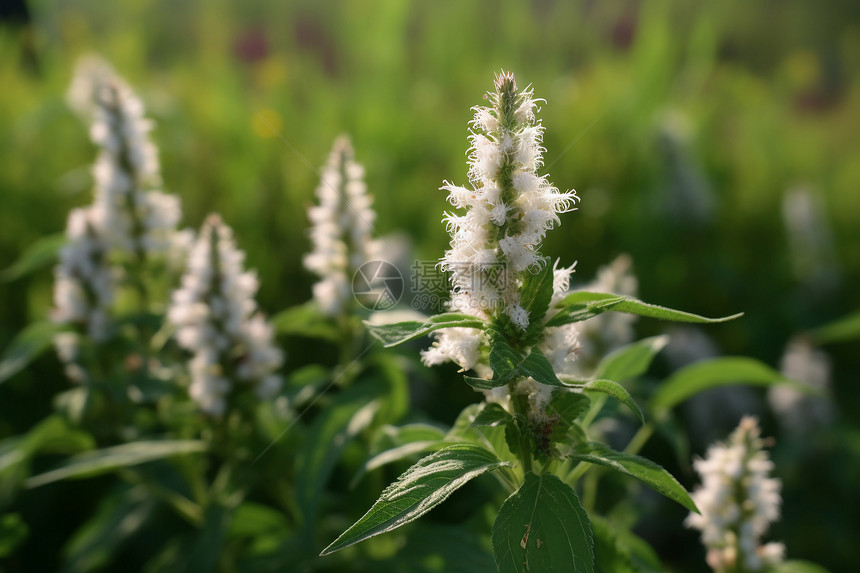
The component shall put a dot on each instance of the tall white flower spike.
(738, 502)
(508, 210)
(342, 224)
(131, 215)
(217, 320)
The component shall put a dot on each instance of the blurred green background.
(682, 126)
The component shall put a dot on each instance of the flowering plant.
(513, 322)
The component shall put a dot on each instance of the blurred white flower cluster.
(738, 502)
(131, 216)
(342, 225)
(217, 320)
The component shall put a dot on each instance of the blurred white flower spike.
(342, 226)
(130, 213)
(738, 502)
(217, 320)
(84, 282)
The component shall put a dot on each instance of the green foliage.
(542, 527)
(398, 333)
(421, 488)
(27, 346)
(40, 254)
(632, 360)
(714, 373)
(581, 305)
(638, 467)
(111, 459)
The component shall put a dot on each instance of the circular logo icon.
(377, 285)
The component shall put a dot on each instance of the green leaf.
(582, 305)
(568, 405)
(615, 390)
(38, 255)
(841, 330)
(638, 467)
(484, 383)
(332, 430)
(618, 550)
(579, 306)
(706, 374)
(542, 528)
(421, 488)
(397, 333)
(305, 320)
(396, 443)
(254, 519)
(538, 367)
(632, 360)
(492, 415)
(107, 460)
(535, 298)
(27, 346)
(504, 360)
(118, 517)
(507, 365)
(797, 566)
(13, 531)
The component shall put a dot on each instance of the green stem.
(638, 440)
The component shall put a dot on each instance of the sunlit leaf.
(421, 488)
(638, 467)
(543, 527)
(397, 333)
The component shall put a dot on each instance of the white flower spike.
(217, 320)
(342, 224)
(738, 501)
(132, 216)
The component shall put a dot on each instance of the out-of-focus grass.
(681, 127)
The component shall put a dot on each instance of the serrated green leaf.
(538, 367)
(579, 306)
(107, 460)
(27, 346)
(484, 383)
(421, 488)
(542, 527)
(568, 405)
(40, 254)
(492, 415)
(841, 330)
(632, 360)
(706, 374)
(305, 320)
(535, 298)
(615, 390)
(582, 305)
(638, 467)
(503, 360)
(397, 333)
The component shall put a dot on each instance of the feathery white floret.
(342, 224)
(738, 501)
(84, 281)
(131, 215)
(217, 320)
